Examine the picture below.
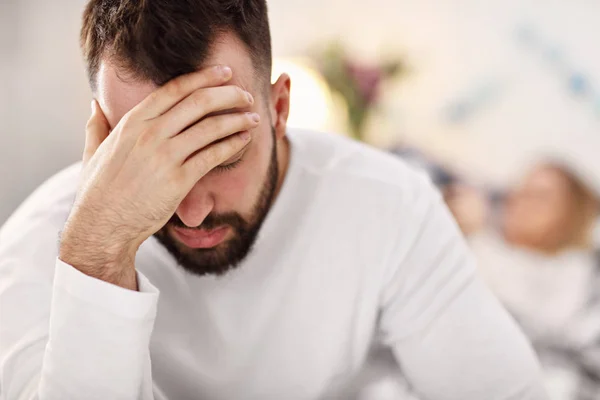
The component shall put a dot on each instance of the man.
(210, 253)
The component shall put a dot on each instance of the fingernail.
(245, 135)
(250, 98)
(255, 117)
(93, 106)
(226, 71)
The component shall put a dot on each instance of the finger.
(216, 154)
(210, 130)
(200, 104)
(165, 97)
(97, 130)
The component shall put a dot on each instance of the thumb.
(97, 129)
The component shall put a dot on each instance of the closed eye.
(227, 167)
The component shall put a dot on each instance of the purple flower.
(367, 80)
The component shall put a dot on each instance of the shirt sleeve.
(99, 338)
(96, 343)
(451, 337)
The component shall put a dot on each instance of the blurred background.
(499, 101)
(483, 86)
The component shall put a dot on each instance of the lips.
(201, 238)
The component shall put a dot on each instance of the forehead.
(118, 92)
(547, 177)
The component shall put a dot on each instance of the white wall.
(46, 100)
(452, 45)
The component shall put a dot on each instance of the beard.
(227, 255)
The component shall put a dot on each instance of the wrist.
(109, 261)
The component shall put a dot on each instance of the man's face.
(216, 224)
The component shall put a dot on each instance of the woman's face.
(540, 213)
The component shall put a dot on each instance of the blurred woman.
(541, 263)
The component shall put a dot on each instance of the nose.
(195, 207)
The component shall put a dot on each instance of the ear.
(280, 104)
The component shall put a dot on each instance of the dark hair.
(158, 40)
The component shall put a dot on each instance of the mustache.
(212, 221)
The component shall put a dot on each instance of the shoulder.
(34, 227)
(369, 174)
(373, 201)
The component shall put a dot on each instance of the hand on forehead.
(119, 92)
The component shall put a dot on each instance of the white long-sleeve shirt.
(356, 246)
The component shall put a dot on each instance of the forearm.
(473, 350)
(107, 257)
(120, 273)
